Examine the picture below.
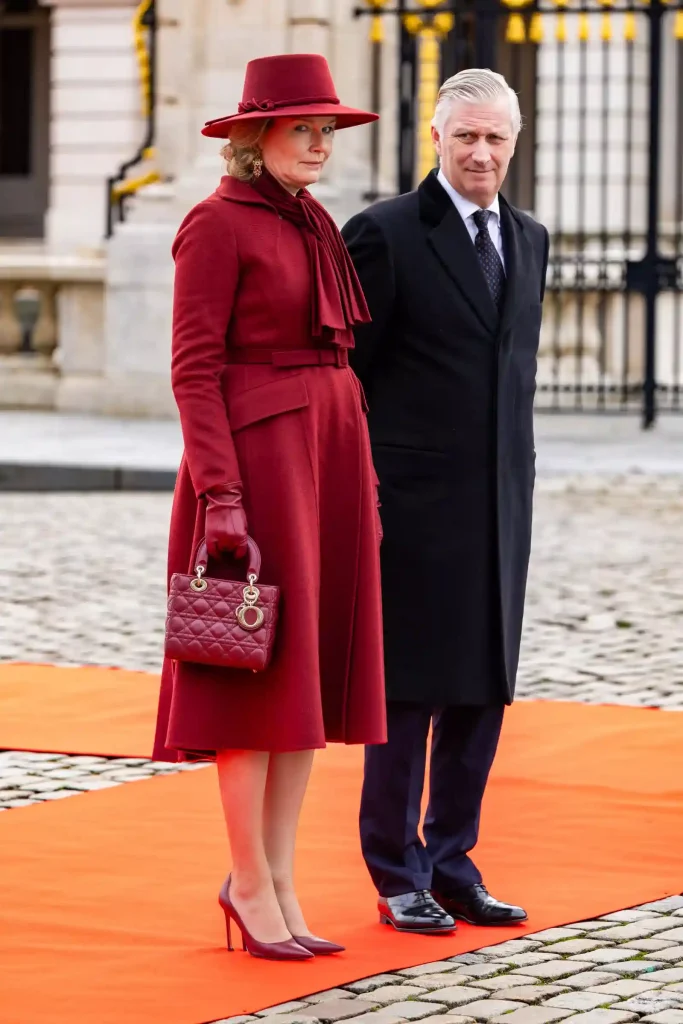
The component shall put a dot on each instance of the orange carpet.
(87, 710)
(107, 900)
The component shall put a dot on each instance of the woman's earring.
(257, 167)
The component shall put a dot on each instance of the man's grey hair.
(476, 85)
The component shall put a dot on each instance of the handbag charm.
(222, 622)
(251, 594)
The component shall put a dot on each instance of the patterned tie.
(490, 261)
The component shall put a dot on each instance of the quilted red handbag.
(222, 622)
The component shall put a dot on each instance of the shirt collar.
(464, 207)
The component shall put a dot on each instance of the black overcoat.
(450, 384)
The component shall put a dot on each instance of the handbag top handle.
(253, 559)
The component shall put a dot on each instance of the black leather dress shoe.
(415, 912)
(475, 905)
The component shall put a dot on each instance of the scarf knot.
(337, 301)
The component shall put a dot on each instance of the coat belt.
(290, 357)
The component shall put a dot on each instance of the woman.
(276, 446)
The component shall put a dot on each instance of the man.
(454, 278)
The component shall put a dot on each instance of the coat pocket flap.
(266, 400)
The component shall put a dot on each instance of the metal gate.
(599, 161)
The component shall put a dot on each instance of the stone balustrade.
(51, 329)
(41, 338)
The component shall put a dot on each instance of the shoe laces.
(425, 901)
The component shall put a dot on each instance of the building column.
(96, 120)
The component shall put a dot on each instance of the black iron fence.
(600, 162)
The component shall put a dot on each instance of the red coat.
(297, 438)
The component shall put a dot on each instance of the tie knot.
(481, 218)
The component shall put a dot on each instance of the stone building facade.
(101, 341)
(85, 318)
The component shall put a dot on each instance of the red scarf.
(338, 302)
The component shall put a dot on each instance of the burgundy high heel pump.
(287, 950)
(319, 947)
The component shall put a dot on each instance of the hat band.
(249, 106)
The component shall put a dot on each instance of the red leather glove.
(226, 522)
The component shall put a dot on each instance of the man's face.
(475, 148)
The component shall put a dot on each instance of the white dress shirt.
(466, 209)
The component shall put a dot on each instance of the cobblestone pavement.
(624, 967)
(604, 612)
(82, 581)
(27, 778)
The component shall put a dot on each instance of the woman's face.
(295, 149)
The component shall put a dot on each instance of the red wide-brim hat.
(288, 85)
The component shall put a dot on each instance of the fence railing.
(599, 162)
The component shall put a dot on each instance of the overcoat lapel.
(451, 242)
(518, 258)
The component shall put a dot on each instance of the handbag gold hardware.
(198, 584)
(251, 594)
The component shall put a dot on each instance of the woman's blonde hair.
(243, 148)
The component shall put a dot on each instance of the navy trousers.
(464, 743)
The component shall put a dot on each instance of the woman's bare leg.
(242, 777)
(288, 775)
